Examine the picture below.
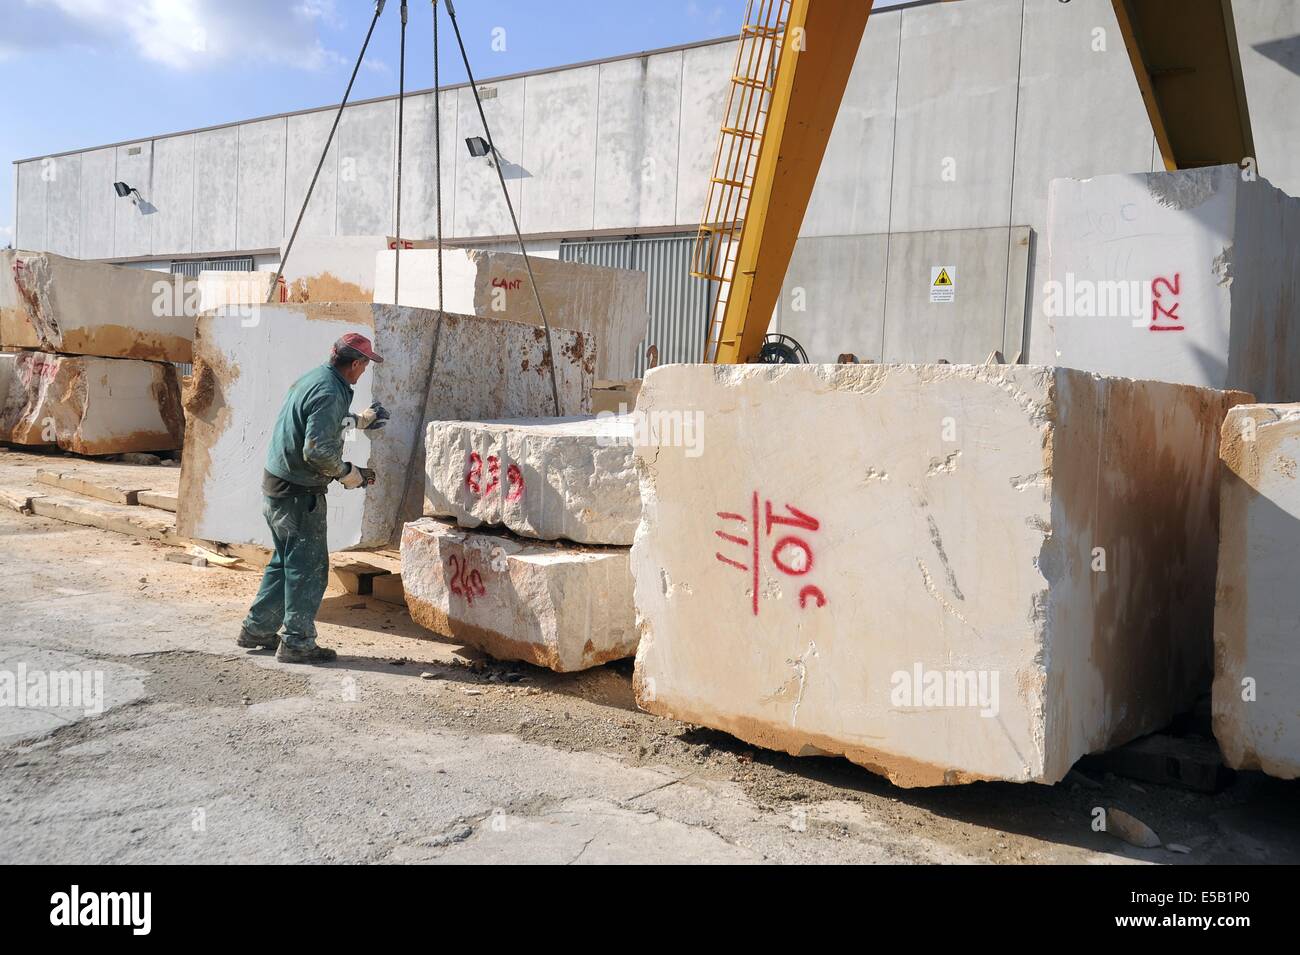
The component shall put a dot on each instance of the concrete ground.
(407, 750)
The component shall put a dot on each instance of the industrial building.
(956, 118)
(668, 445)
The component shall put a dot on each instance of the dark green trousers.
(295, 579)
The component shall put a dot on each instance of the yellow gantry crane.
(792, 65)
(1187, 64)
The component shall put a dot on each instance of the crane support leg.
(1185, 58)
(821, 43)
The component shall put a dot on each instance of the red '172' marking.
(1169, 312)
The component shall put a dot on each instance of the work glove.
(373, 418)
(356, 477)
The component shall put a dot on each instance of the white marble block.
(945, 573)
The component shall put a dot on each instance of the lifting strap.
(492, 152)
(279, 272)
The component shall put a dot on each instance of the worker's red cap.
(360, 344)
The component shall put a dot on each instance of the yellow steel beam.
(1185, 58)
(817, 54)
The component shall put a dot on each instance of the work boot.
(253, 642)
(312, 654)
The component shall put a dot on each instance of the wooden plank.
(122, 518)
(1187, 762)
(388, 588)
(95, 486)
(356, 577)
(163, 500)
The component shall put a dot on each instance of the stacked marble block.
(1256, 699)
(1185, 276)
(89, 355)
(486, 369)
(523, 552)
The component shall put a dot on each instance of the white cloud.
(183, 34)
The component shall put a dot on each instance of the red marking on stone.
(515, 483)
(494, 471)
(814, 592)
(728, 516)
(1158, 310)
(728, 560)
(743, 542)
(465, 585)
(1172, 286)
(800, 519)
(475, 471)
(792, 542)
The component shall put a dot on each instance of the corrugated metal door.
(190, 268)
(678, 304)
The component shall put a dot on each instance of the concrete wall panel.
(216, 185)
(30, 203)
(260, 222)
(1268, 36)
(1022, 245)
(636, 141)
(63, 205)
(419, 197)
(173, 195)
(1060, 129)
(706, 77)
(306, 140)
(851, 196)
(956, 115)
(133, 224)
(964, 330)
(480, 207)
(367, 144)
(98, 207)
(834, 296)
(1093, 124)
(560, 118)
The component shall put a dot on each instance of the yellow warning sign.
(943, 283)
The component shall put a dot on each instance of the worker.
(306, 454)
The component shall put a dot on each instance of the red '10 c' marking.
(791, 554)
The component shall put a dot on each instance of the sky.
(83, 73)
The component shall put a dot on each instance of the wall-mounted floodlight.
(131, 192)
(478, 146)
